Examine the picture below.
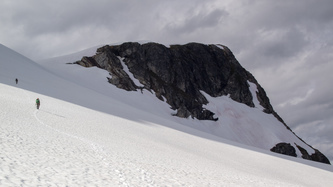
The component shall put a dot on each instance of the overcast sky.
(287, 44)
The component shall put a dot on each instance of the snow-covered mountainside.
(91, 133)
(189, 78)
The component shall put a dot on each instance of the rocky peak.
(178, 73)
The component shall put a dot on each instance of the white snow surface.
(90, 133)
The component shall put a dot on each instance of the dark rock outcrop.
(288, 149)
(316, 156)
(178, 73)
(284, 148)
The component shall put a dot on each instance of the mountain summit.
(89, 132)
(185, 76)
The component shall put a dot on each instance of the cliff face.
(177, 75)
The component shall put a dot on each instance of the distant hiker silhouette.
(37, 103)
(16, 80)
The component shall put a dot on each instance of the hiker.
(37, 103)
(16, 81)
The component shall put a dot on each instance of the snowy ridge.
(88, 133)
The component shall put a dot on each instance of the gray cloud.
(286, 45)
(201, 20)
(62, 16)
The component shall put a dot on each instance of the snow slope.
(107, 137)
(237, 122)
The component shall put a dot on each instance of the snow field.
(65, 144)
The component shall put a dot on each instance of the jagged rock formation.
(317, 156)
(178, 73)
(284, 148)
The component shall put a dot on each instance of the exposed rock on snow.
(178, 73)
(284, 148)
(317, 156)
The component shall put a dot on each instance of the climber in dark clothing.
(37, 103)
(16, 80)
